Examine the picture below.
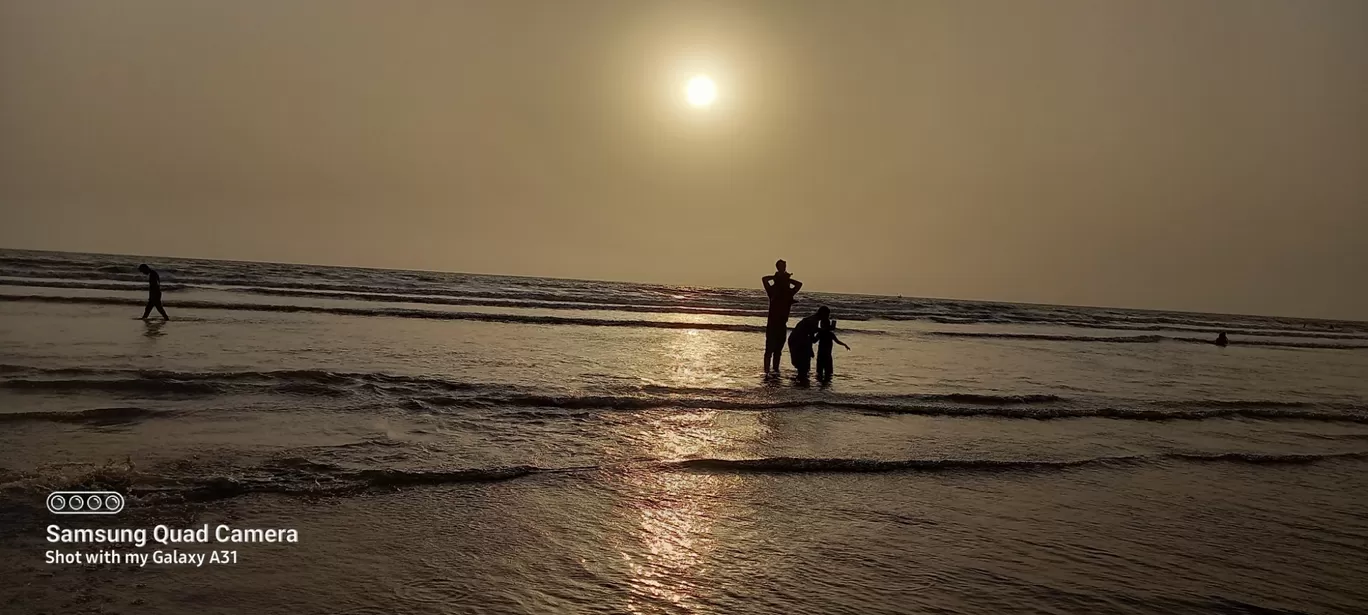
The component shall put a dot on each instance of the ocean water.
(451, 443)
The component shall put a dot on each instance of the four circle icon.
(85, 502)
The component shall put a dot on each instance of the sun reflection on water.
(674, 516)
(696, 359)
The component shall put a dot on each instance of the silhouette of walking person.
(801, 339)
(781, 288)
(826, 335)
(153, 292)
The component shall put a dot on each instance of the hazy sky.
(1205, 155)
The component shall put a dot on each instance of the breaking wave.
(208, 384)
(1141, 339)
(328, 480)
(147, 386)
(426, 393)
(847, 465)
(302, 477)
(1133, 339)
(128, 286)
(410, 313)
(1235, 403)
(508, 302)
(94, 416)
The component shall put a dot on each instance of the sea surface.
(456, 443)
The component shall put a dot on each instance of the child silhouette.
(826, 336)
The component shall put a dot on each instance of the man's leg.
(161, 310)
(774, 345)
(148, 310)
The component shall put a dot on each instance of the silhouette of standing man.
(781, 288)
(153, 292)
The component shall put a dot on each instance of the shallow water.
(456, 443)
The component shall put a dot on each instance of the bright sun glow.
(701, 91)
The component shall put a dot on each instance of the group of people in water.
(819, 328)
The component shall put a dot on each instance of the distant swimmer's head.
(781, 266)
(144, 268)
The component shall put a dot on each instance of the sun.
(701, 91)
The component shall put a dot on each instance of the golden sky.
(1141, 153)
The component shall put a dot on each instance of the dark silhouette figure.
(153, 293)
(781, 288)
(801, 339)
(826, 335)
(1221, 339)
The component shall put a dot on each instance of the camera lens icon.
(85, 502)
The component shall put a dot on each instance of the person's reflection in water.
(154, 329)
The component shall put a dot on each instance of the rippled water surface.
(451, 443)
